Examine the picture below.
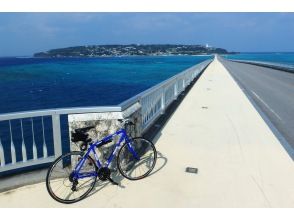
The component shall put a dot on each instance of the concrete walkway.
(215, 129)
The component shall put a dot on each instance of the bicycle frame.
(123, 137)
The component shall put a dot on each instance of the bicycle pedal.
(113, 182)
(74, 188)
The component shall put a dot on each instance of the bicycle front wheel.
(137, 158)
(62, 183)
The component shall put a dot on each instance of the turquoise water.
(278, 58)
(32, 83)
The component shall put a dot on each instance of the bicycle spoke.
(61, 182)
(132, 168)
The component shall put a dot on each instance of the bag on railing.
(78, 136)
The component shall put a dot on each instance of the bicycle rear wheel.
(136, 159)
(61, 183)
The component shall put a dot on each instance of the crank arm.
(112, 181)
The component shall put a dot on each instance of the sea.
(28, 83)
(41, 83)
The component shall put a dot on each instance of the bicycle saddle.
(126, 121)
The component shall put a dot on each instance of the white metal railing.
(154, 102)
(274, 65)
(32, 116)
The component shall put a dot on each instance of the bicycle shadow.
(162, 161)
(117, 177)
(102, 184)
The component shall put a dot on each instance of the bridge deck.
(215, 129)
(272, 91)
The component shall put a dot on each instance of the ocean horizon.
(44, 83)
(28, 83)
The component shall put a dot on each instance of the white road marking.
(266, 105)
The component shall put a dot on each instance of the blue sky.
(27, 33)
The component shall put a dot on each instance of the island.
(132, 50)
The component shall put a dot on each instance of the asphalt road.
(273, 93)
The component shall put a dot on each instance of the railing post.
(12, 147)
(2, 157)
(45, 153)
(163, 101)
(176, 90)
(23, 147)
(35, 153)
(56, 135)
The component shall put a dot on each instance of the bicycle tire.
(66, 178)
(127, 163)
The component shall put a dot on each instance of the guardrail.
(277, 66)
(155, 100)
(36, 123)
(39, 126)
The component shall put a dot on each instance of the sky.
(24, 34)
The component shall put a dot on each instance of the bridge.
(213, 117)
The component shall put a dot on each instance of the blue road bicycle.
(72, 176)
